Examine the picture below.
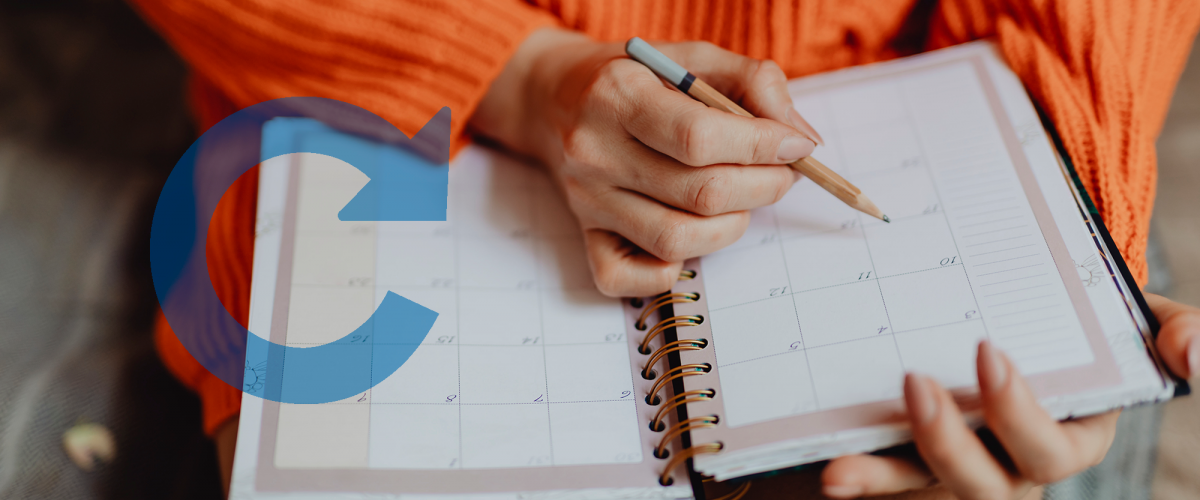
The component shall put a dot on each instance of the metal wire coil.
(670, 347)
(663, 300)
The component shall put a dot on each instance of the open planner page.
(524, 383)
(816, 314)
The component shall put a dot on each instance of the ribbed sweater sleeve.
(401, 59)
(1104, 71)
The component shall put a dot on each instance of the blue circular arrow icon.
(408, 186)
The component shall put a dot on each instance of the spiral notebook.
(812, 318)
(786, 348)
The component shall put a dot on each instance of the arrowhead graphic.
(409, 181)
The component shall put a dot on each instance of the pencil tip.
(886, 219)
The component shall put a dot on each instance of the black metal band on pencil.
(686, 83)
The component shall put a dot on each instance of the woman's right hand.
(653, 176)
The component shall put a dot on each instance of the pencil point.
(886, 219)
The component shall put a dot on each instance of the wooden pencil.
(687, 83)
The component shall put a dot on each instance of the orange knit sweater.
(1103, 70)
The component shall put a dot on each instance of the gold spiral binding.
(675, 402)
(738, 493)
(676, 373)
(663, 325)
(670, 298)
(666, 480)
(670, 347)
(692, 423)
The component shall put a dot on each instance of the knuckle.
(705, 47)
(762, 144)
(608, 280)
(783, 186)
(672, 241)
(713, 195)
(696, 137)
(608, 86)
(576, 146)
(580, 199)
(768, 72)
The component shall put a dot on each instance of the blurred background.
(92, 118)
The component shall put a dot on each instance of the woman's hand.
(643, 166)
(1040, 450)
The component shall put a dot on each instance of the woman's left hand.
(1040, 450)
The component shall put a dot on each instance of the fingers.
(868, 475)
(1042, 449)
(760, 86)
(951, 450)
(1178, 336)
(624, 270)
(695, 134)
(669, 234)
(711, 190)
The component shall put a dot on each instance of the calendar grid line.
(1009, 259)
(537, 276)
(874, 270)
(847, 341)
(1014, 279)
(795, 310)
(448, 344)
(1022, 300)
(1002, 250)
(371, 366)
(987, 212)
(1017, 290)
(808, 290)
(454, 230)
(1012, 269)
(998, 241)
(982, 203)
(633, 401)
(1026, 310)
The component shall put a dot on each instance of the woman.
(655, 178)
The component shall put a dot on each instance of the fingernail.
(993, 371)
(794, 147)
(843, 490)
(920, 399)
(1193, 361)
(803, 126)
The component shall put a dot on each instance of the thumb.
(1179, 335)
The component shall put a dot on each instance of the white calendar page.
(524, 384)
(818, 311)
(849, 303)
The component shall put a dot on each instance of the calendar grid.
(796, 312)
(870, 258)
(851, 279)
(489, 386)
(937, 191)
